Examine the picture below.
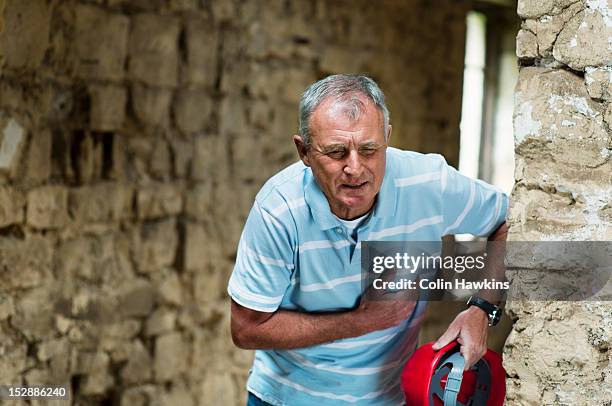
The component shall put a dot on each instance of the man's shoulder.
(286, 185)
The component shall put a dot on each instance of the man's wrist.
(492, 311)
(477, 310)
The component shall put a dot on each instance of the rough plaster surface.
(559, 353)
(137, 133)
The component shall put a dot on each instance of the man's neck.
(349, 214)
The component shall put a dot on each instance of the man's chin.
(357, 202)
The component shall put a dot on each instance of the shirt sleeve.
(470, 206)
(264, 262)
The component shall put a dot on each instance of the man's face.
(347, 156)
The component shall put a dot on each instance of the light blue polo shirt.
(294, 254)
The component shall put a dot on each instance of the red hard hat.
(436, 378)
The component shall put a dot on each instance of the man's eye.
(335, 154)
(367, 151)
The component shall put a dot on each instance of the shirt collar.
(319, 206)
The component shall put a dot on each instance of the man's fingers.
(468, 356)
(471, 355)
(449, 335)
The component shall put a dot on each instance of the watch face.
(495, 316)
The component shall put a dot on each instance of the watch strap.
(492, 311)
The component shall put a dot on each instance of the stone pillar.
(559, 352)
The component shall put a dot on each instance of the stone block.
(199, 202)
(537, 8)
(171, 352)
(526, 44)
(206, 163)
(77, 258)
(548, 27)
(584, 39)
(138, 368)
(86, 160)
(223, 10)
(136, 298)
(47, 207)
(192, 110)
(53, 348)
(219, 387)
(196, 240)
(25, 37)
(154, 49)
(140, 396)
(294, 84)
(151, 105)
(25, 262)
(233, 117)
(160, 322)
(12, 140)
(14, 357)
(208, 286)
(12, 203)
(336, 59)
(97, 379)
(260, 114)
(157, 245)
(182, 153)
(159, 200)
(177, 395)
(170, 288)
(202, 45)
(534, 8)
(124, 330)
(599, 82)
(183, 5)
(101, 40)
(554, 115)
(246, 155)
(34, 314)
(103, 202)
(7, 307)
(38, 163)
(108, 105)
(136, 154)
(238, 77)
(152, 5)
(160, 162)
(569, 348)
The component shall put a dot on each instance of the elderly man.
(296, 286)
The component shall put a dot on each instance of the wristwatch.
(492, 311)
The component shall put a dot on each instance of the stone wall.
(559, 352)
(133, 137)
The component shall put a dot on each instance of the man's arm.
(284, 329)
(470, 327)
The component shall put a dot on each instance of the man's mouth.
(354, 185)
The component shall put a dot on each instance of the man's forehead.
(336, 120)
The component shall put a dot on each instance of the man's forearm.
(291, 329)
(285, 329)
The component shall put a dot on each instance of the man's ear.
(389, 130)
(302, 149)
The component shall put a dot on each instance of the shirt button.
(339, 230)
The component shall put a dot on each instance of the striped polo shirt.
(294, 254)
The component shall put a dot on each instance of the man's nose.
(353, 166)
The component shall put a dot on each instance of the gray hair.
(343, 88)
